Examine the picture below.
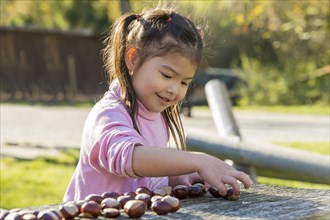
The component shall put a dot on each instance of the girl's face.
(163, 81)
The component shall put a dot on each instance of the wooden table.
(259, 202)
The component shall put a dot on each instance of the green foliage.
(58, 14)
(263, 85)
(273, 85)
(88, 15)
(274, 42)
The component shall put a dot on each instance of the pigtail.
(114, 59)
(114, 52)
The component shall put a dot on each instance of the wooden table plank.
(259, 202)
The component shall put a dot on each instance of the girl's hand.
(217, 173)
(156, 162)
(187, 179)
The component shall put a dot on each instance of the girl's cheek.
(182, 94)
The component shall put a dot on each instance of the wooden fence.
(39, 64)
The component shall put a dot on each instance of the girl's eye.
(184, 83)
(166, 76)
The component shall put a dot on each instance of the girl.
(151, 59)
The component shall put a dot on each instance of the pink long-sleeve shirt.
(108, 140)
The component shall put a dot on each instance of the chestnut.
(202, 186)
(214, 192)
(69, 211)
(13, 216)
(58, 214)
(90, 209)
(180, 191)
(231, 196)
(111, 213)
(114, 195)
(163, 191)
(133, 194)
(25, 211)
(110, 203)
(49, 215)
(123, 199)
(15, 210)
(144, 189)
(3, 214)
(78, 204)
(174, 202)
(135, 208)
(94, 197)
(144, 197)
(29, 216)
(194, 191)
(161, 207)
(156, 197)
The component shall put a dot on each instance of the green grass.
(294, 109)
(320, 147)
(288, 109)
(44, 180)
(290, 183)
(77, 104)
(37, 182)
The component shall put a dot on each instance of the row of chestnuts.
(162, 201)
(107, 205)
(198, 189)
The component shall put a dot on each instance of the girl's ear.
(131, 56)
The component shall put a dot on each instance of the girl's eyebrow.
(175, 72)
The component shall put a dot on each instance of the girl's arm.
(156, 162)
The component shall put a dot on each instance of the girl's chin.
(155, 110)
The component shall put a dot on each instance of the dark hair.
(155, 33)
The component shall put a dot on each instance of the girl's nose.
(173, 88)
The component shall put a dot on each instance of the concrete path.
(269, 127)
(31, 131)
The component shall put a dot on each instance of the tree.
(125, 6)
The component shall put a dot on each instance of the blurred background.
(50, 50)
(273, 56)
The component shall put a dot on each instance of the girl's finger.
(232, 182)
(221, 188)
(244, 178)
(207, 185)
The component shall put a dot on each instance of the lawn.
(321, 148)
(37, 182)
(294, 109)
(44, 180)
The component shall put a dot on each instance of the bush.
(282, 85)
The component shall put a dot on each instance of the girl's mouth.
(164, 99)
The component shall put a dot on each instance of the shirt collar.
(145, 113)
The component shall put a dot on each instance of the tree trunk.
(125, 6)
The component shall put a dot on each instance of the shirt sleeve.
(114, 140)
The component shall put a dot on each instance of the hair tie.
(137, 16)
(168, 20)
